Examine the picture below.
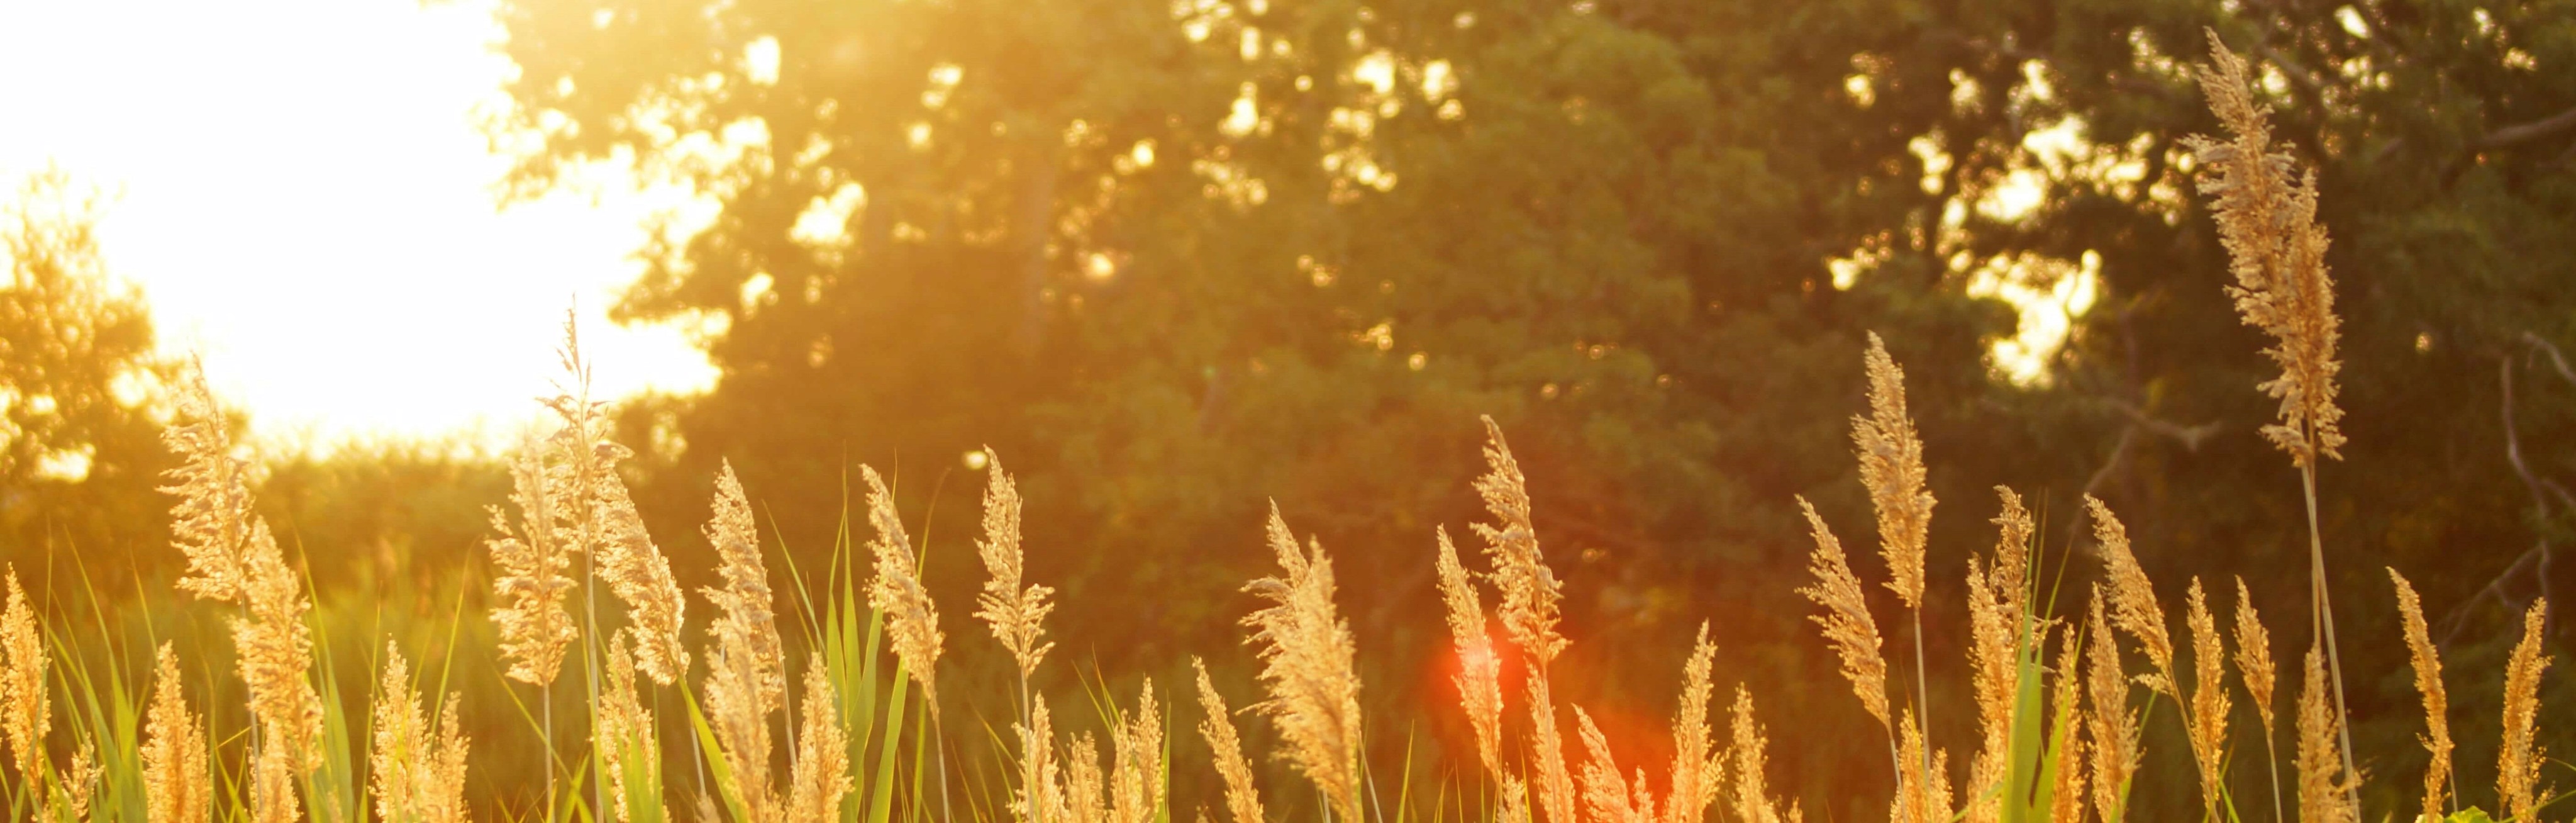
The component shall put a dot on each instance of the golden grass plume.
(912, 620)
(1846, 621)
(2519, 757)
(1017, 615)
(1306, 654)
(2428, 682)
(1891, 465)
(1242, 800)
(177, 785)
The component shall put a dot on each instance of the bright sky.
(300, 190)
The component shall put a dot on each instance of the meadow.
(800, 695)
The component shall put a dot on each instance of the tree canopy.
(1169, 260)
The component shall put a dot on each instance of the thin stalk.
(939, 752)
(1028, 761)
(2324, 608)
(548, 699)
(1922, 696)
(2272, 762)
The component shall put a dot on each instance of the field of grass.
(788, 695)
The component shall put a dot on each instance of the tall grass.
(838, 717)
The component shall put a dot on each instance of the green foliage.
(80, 448)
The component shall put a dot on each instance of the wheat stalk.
(2518, 758)
(1242, 801)
(1306, 652)
(177, 786)
(2428, 682)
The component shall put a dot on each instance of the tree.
(80, 448)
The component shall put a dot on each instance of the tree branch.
(2527, 132)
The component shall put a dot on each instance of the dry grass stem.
(1697, 772)
(1136, 778)
(1479, 678)
(1891, 465)
(1846, 620)
(2111, 724)
(176, 783)
(24, 701)
(896, 590)
(416, 774)
(2437, 702)
(2324, 788)
(1753, 803)
(623, 730)
(1605, 793)
(2207, 717)
(2267, 220)
(1242, 800)
(821, 776)
(1017, 615)
(534, 559)
(1306, 654)
(2133, 600)
(1530, 592)
(2519, 757)
(636, 572)
(1554, 783)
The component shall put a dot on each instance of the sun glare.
(308, 204)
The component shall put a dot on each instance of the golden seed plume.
(1306, 652)
(533, 560)
(2437, 702)
(2276, 249)
(2209, 705)
(1605, 792)
(1846, 621)
(1555, 789)
(1136, 777)
(1017, 615)
(211, 521)
(636, 572)
(2254, 656)
(1994, 656)
(1512, 800)
(1479, 678)
(1042, 795)
(2067, 795)
(1923, 780)
(23, 698)
(1084, 783)
(416, 774)
(1530, 592)
(896, 590)
(1753, 803)
(1891, 465)
(746, 624)
(2323, 789)
(234, 558)
(1242, 801)
(746, 680)
(176, 783)
(821, 775)
(623, 734)
(2133, 600)
(2518, 759)
(2111, 724)
(1696, 775)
